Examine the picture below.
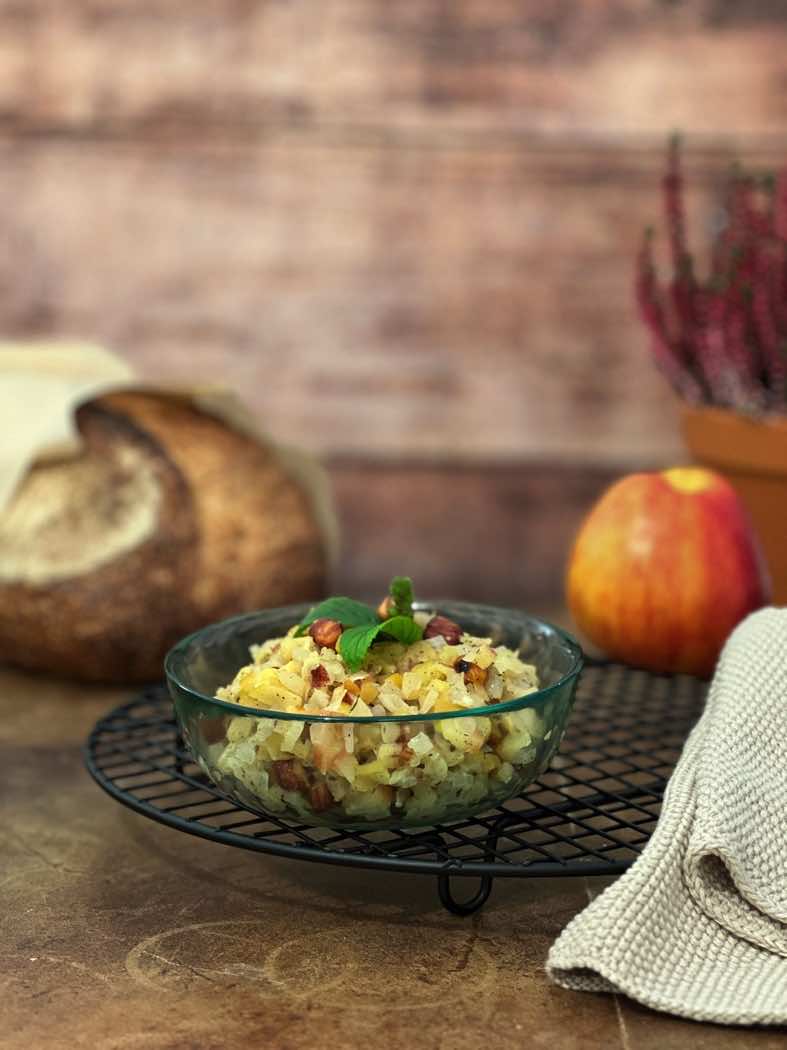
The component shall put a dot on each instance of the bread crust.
(224, 529)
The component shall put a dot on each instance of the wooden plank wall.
(403, 230)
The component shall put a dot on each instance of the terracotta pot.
(752, 455)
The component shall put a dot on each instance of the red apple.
(663, 568)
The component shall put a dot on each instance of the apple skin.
(663, 568)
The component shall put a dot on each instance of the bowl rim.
(534, 699)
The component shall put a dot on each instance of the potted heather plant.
(721, 342)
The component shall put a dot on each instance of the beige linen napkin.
(698, 925)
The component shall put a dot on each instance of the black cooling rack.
(591, 813)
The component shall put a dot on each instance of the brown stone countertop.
(121, 934)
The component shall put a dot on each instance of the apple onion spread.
(419, 768)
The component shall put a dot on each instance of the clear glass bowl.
(521, 736)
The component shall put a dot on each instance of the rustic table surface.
(121, 934)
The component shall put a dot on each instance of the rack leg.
(180, 744)
(456, 907)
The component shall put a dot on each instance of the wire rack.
(591, 813)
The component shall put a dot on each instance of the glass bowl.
(265, 759)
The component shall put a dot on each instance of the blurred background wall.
(403, 230)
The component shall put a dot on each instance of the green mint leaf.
(348, 612)
(401, 590)
(354, 644)
(403, 628)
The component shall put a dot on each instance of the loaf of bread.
(167, 519)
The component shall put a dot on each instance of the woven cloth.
(698, 925)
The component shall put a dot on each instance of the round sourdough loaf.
(167, 519)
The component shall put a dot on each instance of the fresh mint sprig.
(361, 626)
(355, 642)
(347, 611)
(401, 591)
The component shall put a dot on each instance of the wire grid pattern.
(591, 813)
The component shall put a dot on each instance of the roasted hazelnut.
(385, 608)
(289, 774)
(320, 797)
(475, 675)
(326, 632)
(319, 677)
(442, 626)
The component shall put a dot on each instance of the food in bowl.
(383, 768)
(380, 723)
